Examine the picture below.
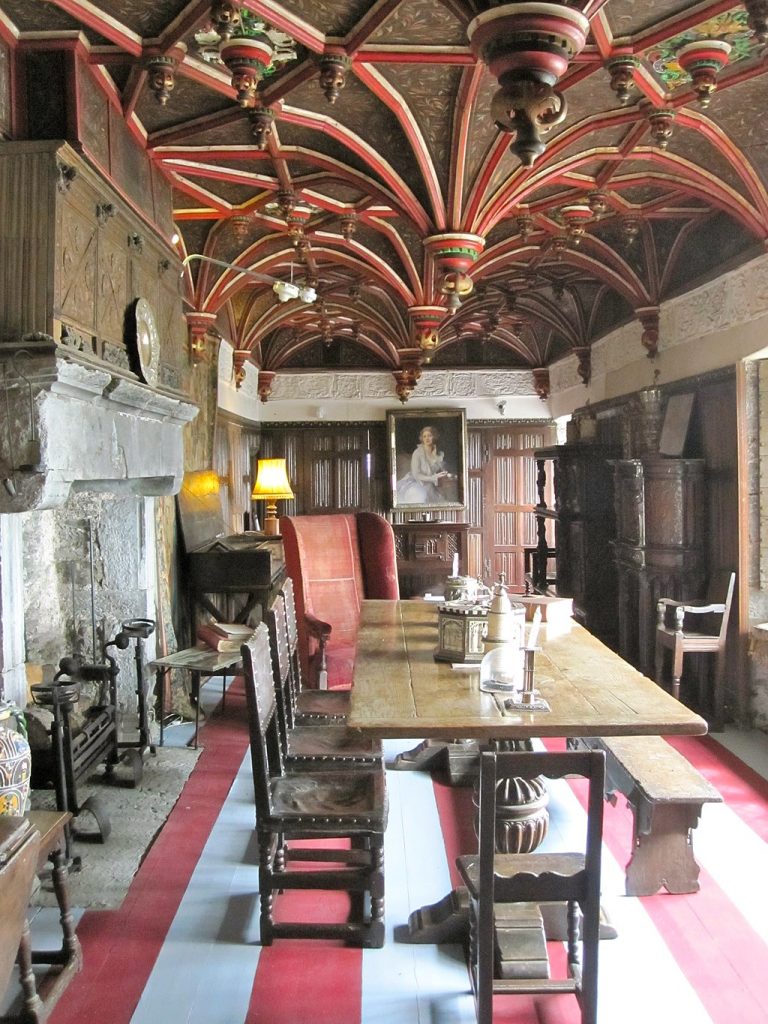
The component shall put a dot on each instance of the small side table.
(199, 662)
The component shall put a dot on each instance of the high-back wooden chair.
(325, 806)
(307, 706)
(501, 878)
(306, 746)
(697, 627)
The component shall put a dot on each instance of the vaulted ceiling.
(370, 133)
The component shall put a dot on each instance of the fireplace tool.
(75, 755)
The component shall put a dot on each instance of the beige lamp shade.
(272, 485)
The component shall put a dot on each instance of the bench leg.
(663, 849)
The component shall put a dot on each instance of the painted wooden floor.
(184, 948)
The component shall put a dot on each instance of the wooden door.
(502, 497)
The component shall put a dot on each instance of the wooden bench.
(666, 794)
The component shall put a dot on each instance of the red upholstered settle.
(335, 561)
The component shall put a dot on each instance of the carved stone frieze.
(460, 385)
(448, 384)
(435, 384)
(348, 386)
(503, 382)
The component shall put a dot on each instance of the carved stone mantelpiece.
(76, 424)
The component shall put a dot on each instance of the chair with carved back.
(697, 627)
(495, 878)
(307, 706)
(323, 806)
(306, 746)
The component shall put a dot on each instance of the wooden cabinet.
(584, 527)
(660, 544)
(425, 553)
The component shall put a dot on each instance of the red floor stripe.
(712, 943)
(745, 792)
(297, 980)
(120, 947)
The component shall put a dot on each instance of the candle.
(455, 571)
(535, 624)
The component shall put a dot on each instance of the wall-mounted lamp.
(502, 406)
(271, 486)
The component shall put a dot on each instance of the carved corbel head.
(265, 384)
(650, 336)
(541, 382)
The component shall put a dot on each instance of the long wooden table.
(401, 691)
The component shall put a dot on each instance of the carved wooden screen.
(332, 467)
(502, 496)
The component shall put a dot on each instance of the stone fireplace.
(86, 456)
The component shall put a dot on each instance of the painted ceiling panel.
(423, 19)
(411, 145)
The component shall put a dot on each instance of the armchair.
(696, 627)
(335, 562)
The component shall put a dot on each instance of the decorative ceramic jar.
(15, 761)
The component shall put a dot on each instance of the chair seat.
(315, 802)
(701, 641)
(322, 704)
(553, 875)
(331, 744)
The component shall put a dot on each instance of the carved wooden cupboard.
(584, 528)
(659, 545)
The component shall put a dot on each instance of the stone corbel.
(649, 318)
(199, 326)
(583, 355)
(240, 357)
(265, 384)
(541, 382)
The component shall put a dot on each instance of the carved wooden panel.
(26, 213)
(111, 285)
(76, 259)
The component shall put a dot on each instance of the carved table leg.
(34, 1011)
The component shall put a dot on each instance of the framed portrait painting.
(427, 458)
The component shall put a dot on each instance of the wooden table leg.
(34, 1010)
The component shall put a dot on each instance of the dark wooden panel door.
(503, 495)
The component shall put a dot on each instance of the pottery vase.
(15, 761)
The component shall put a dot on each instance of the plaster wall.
(714, 326)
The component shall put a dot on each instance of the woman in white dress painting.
(421, 484)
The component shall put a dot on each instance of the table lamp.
(271, 486)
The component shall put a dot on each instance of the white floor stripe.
(734, 855)
(205, 970)
(414, 984)
(639, 952)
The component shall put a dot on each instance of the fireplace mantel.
(75, 423)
